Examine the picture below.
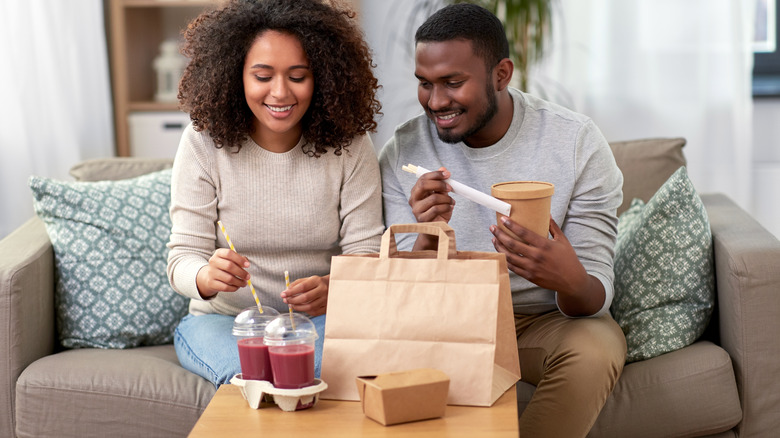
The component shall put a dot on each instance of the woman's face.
(278, 86)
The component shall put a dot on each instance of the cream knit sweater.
(284, 212)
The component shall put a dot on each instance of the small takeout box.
(404, 396)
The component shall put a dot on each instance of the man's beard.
(482, 120)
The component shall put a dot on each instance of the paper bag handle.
(445, 233)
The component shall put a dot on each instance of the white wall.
(389, 27)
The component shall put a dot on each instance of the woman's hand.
(308, 295)
(226, 272)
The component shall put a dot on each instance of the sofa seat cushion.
(99, 393)
(688, 392)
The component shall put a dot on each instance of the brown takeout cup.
(530, 201)
(404, 396)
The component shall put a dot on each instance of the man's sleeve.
(394, 197)
(591, 222)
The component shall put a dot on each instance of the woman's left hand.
(308, 295)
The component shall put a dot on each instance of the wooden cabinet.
(137, 28)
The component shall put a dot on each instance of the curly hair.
(212, 91)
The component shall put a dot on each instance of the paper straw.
(248, 282)
(466, 191)
(289, 306)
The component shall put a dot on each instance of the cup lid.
(522, 190)
(250, 322)
(290, 329)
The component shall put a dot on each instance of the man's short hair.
(469, 22)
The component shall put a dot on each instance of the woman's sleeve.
(361, 199)
(193, 214)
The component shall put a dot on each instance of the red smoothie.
(293, 365)
(255, 363)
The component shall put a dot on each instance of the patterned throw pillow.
(664, 273)
(110, 257)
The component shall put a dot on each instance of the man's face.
(457, 92)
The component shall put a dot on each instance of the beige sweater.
(285, 212)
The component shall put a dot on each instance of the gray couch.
(725, 384)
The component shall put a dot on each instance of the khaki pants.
(574, 363)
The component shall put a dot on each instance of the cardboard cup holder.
(288, 400)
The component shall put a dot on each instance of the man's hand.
(552, 264)
(431, 202)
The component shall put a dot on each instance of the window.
(766, 58)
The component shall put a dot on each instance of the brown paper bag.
(445, 309)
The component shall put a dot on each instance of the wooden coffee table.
(229, 415)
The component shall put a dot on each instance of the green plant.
(528, 25)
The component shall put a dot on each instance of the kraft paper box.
(404, 396)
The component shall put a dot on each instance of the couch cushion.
(664, 270)
(116, 168)
(688, 392)
(135, 392)
(646, 164)
(109, 242)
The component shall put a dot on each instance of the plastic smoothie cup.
(249, 330)
(290, 339)
(530, 201)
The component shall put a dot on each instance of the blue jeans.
(205, 345)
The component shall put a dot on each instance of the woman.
(281, 95)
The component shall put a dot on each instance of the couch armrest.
(747, 272)
(27, 322)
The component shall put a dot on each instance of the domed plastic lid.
(522, 190)
(288, 329)
(250, 322)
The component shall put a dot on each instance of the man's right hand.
(431, 202)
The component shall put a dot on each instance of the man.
(481, 132)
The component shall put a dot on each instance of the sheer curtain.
(661, 68)
(55, 108)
